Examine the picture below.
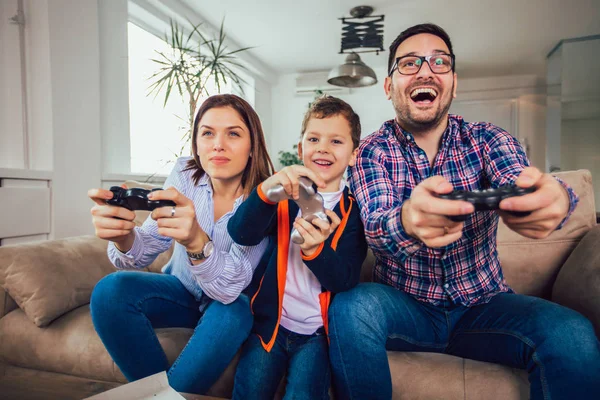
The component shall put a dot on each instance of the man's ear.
(353, 158)
(455, 85)
(387, 86)
(300, 150)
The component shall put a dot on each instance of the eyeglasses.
(410, 65)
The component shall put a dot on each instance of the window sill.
(148, 178)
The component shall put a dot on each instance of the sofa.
(49, 349)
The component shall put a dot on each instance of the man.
(439, 285)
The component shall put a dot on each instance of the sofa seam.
(60, 373)
(513, 243)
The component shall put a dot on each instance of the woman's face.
(223, 143)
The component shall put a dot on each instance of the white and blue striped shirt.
(224, 274)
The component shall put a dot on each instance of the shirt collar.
(406, 138)
(204, 181)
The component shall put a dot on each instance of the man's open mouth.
(423, 95)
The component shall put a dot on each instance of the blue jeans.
(556, 345)
(304, 357)
(127, 306)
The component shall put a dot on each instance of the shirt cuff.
(407, 245)
(209, 269)
(573, 200)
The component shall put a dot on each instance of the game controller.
(136, 199)
(487, 199)
(309, 201)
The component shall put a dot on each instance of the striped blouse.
(224, 274)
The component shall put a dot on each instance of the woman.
(200, 286)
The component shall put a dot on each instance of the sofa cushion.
(70, 345)
(530, 266)
(48, 279)
(7, 304)
(442, 376)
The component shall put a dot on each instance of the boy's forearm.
(250, 223)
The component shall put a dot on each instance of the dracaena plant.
(192, 65)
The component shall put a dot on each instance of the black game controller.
(310, 203)
(487, 199)
(136, 199)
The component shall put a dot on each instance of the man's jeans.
(127, 306)
(556, 345)
(305, 358)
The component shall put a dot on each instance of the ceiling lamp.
(361, 31)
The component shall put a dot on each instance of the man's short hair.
(432, 29)
(328, 106)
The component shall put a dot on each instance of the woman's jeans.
(127, 306)
(304, 357)
(556, 345)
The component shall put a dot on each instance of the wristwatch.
(205, 253)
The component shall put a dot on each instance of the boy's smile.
(327, 149)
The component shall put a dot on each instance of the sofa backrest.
(530, 266)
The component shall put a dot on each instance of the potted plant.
(193, 64)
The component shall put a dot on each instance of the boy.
(293, 284)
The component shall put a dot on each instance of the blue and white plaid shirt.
(471, 156)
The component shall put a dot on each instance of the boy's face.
(326, 148)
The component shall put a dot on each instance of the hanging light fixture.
(353, 73)
(361, 31)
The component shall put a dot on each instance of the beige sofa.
(49, 350)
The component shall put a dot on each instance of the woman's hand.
(179, 222)
(111, 222)
(316, 232)
(288, 178)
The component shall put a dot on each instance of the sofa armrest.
(578, 283)
(7, 304)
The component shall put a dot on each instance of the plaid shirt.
(471, 156)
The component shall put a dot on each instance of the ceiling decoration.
(361, 33)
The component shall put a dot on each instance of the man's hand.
(549, 205)
(424, 216)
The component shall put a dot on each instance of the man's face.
(422, 100)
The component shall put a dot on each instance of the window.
(157, 132)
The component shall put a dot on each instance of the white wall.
(516, 103)
(75, 77)
(288, 110)
(77, 101)
(580, 149)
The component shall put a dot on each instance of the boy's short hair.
(328, 106)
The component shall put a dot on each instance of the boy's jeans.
(556, 345)
(304, 357)
(127, 306)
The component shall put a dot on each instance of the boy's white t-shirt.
(301, 309)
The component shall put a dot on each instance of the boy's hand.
(424, 216)
(549, 205)
(179, 222)
(316, 232)
(288, 178)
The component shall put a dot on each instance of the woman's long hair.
(259, 165)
